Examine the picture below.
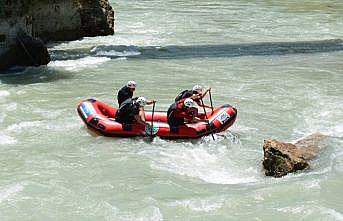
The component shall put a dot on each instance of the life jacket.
(173, 120)
(127, 110)
(171, 110)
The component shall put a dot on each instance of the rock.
(282, 158)
(31, 51)
(97, 18)
(48, 20)
(54, 20)
(27, 51)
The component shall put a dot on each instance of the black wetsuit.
(127, 111)
(187, 94)
(124, 94)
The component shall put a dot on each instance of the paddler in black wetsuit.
(132, 111)
(126, 92)
(195, 94)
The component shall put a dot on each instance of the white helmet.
(131, 84)
(188, 102)
(141, 101)
(197, 88)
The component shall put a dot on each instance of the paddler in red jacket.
(181, 112)
(197, 93)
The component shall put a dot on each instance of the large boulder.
(26, 51)
(282, 158)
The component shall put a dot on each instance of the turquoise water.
(275, 62)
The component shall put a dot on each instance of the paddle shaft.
(211, 100)
(152, 118)
(202, 102)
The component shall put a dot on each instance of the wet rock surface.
(282, 158)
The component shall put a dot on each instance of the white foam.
(200, 164)
(11, 106)
(85, 42)
(118, 53)
(335, 214)
(79, 64)
(6, 140)
(322, 116)
(338, 130)
(200, 205)
(4, 93)
(310, 211)
(24, 124)
(151, 213)
(10, 191)
(294, 210)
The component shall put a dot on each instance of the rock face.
(283, 158)
(70, 20)
(48, 20)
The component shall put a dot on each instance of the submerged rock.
(282, 158)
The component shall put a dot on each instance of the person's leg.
(142, 114)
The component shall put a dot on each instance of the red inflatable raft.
(100, 118)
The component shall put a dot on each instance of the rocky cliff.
(23, 23)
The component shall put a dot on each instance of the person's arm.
(200, 96)
(140, 121)
(200, 105)
(150, 102)
(204, 94)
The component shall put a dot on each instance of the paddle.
(152, 118)
(211, 100)
(208, 123)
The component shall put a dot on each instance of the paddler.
(126, 92)
(196, 94)
(181, 112)
(132, 111)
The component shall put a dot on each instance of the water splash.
(6, 140)
(10, 191)
(79, 64)
(198, 163)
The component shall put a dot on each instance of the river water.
(277, 62)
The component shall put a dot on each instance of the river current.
(280, 63)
